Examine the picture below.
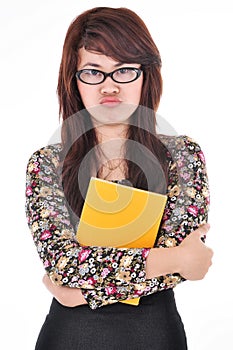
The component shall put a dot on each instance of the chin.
(112, 116)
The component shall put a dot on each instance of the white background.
(195, 40)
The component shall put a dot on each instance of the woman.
(109, 89)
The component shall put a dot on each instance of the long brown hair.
(122, 35)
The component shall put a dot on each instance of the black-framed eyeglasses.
(121, 75)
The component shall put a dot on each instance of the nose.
(109, 87)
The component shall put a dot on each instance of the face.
(109, 102)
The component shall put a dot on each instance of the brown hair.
(122, 35)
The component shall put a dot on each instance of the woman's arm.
(66, 262)
(191, 259)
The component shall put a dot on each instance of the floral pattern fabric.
(108, 275)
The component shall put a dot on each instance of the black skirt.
(154, 324)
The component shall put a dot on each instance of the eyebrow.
(96, 65)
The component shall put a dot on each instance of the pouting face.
(109, 102)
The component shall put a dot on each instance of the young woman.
(109, 89)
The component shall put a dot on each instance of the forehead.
(95, 59)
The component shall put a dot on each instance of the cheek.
(82, 90)
(87, 94)
(136, 93)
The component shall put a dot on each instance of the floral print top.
(107, 275)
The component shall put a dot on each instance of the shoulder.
(182, 145)
(47, 155)
(179, 141)
(48, 151)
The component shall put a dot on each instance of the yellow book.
(116, 215)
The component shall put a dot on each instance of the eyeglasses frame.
(106, 75)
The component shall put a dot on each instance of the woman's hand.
(195, 258)
(191, 259)
(66, 296)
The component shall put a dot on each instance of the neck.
(109, 132)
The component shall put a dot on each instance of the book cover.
(116, 215)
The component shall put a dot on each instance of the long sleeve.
(67, 262)
(188, 191)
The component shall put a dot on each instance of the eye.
(124, 71)
(92, 72)
(125, 74)
(91, 76)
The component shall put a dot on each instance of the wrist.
(176, 259)
(162, 261)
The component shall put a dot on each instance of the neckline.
(125, 181)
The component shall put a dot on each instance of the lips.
(110, 101)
